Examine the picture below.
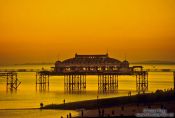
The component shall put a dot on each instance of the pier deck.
(107, 80)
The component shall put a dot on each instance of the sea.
(22, 103)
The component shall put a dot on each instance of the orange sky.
(45, 30)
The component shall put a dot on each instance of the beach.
(122, 106)
(129, 109)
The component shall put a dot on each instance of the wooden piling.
(42, 80)
(107, 83)
(141, 82)
(12, 81)
(174, 80)
(74, 82)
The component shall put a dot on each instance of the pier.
(12, 81)
(75, 71)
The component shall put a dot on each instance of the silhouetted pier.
(107, 81)
(12, 81)
(75, 71)
(174, 80)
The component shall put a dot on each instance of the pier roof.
(91, 59)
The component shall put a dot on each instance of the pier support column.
(107, 83)
(42, 82)
(141, 82)
(74, 83)
(174, 80)
(12, 81)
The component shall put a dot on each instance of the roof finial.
(58, 56)
(107, 52)
(125, 56)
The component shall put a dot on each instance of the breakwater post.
(174, 80)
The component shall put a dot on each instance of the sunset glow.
(45, 30)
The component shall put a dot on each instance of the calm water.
(28, 97)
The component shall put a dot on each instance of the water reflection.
(11, 90)
(105, 91)
(75, 88)
(42, 88)
(75, 92)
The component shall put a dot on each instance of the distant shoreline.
(155, 62)
(149, 62)
(35, 64)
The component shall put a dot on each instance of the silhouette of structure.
(174, 80)
(12, 81)
(42, 81)
(91, 65)
(142, 81)
(107, 69)
(108, 83)
(74, 83)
